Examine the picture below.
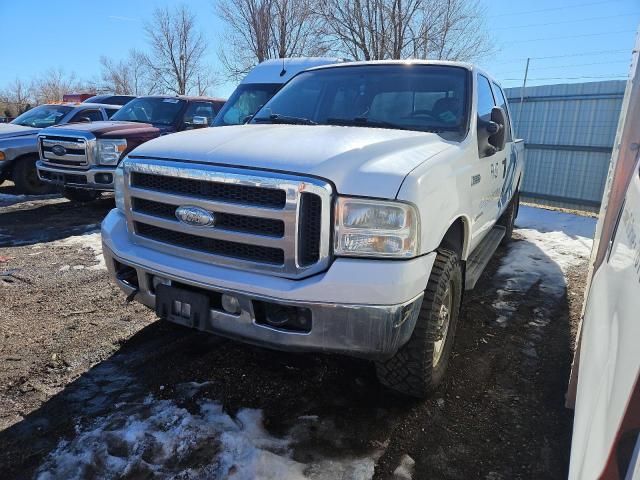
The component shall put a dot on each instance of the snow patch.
(552, 243)
(161, 439)
(7, 200)
(92, 240)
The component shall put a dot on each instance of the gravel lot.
(93, 387)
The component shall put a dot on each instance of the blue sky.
(590, 40)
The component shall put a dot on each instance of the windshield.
(160, 111)
(430, 98)
(43, 116)
(245, 101)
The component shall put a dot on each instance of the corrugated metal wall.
(569, 131)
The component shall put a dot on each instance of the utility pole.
(524, 84)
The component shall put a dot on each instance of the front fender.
(14, 148)
(440, 190)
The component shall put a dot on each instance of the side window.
(110, 111)
(198, 109)
(93, 115)
(485, 98)
(502, 103)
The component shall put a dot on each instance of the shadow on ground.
(36, 221)
(499, 413)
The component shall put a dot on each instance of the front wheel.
(80, 195)
(419, 366)
(25, 176)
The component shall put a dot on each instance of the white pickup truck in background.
(347, 217)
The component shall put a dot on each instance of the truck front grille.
(63, 151)
(213, 246)
(261, 221)
(227, 221)
(242, 194)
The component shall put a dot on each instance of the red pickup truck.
(82, 157)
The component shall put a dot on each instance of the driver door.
(487, 174)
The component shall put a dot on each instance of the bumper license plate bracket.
(181, 306)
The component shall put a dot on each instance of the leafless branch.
(177, 49)
(258, 30)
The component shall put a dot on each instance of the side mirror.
(84, 120)
(199, 122)
(498, 137)
(491, 133)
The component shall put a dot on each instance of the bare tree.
(453, 30)
(177, 49)
(130, 76)
(258, 30)
(371, 29)
(16, 98)
(395, 29)
(53, 84)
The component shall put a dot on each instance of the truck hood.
(9, 130)
(107, 129)
(358, 160)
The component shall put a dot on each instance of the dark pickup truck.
(83, 157)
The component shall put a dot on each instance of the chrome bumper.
(71, 177)
(366, 331)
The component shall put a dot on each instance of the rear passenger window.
(502, 103)
(485, 98)
(110, 111)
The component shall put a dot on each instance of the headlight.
(118, 185)
(109, 151)
(375, 228)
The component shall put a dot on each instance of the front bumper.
(95, 178)
(370, 314)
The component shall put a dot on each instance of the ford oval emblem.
(195, 216)
(58, 150)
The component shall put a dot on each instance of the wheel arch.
(11, 164)
(456, 238)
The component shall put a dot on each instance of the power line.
(580, 54)
(612, 77)
(511, 72)
(583, 54)
(573, 36)
(564, 22)
(550, 9)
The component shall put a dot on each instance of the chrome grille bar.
(75, 150)
(155, 231)
(218, 206)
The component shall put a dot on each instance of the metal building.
(569, 130)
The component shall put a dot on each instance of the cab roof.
(280, 70)
(189, 98)
(468, 66)
(82, 104)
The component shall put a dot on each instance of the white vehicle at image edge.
(347, 216)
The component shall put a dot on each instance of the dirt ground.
(71, 348)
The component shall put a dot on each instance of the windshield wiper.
(365, 122)
(277, 118)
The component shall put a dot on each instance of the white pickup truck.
(348, 216)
